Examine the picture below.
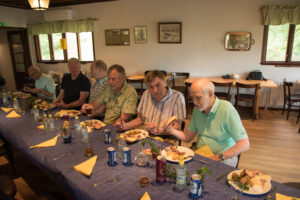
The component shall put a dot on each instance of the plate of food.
(250, 182)
(21, 95)
(135, 135)
(93, 124)
(177, 153)
(44, 105)
(71, 113)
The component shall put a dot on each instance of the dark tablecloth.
(22, 133)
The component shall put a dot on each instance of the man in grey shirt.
(158, 104)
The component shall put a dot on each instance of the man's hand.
(61, 104)
(153, 128)
(121, 125)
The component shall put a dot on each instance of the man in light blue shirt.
(44, 85)
(217, 124)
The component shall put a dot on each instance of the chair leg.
(10, 156)
(298, 116)
(288, 112)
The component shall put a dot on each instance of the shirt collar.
(215, 106)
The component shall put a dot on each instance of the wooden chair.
(223, 95)
(6, 150)
(8, 188)
(289, 98)
(179, 77)
(138, 84)
(249, 98)
(188, 99)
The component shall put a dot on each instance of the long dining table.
(263, 84)
(22, 132)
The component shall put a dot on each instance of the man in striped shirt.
(158, 104)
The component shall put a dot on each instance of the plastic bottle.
(181, 176)
(77, 126)
(36, 113)
(51, 124)
(121, 145)
(5, 98)
(66, 129)
(45, 122)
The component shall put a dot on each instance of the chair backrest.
(138, 87)
(229, 85)
(287, 89)
(242, 85)
(178, 75)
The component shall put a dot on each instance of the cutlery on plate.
(62, 155)
(105, 181)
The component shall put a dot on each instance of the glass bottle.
(16, 105)
(36, 113)
(45, 122)
(181, 176)
(5, 98)
(121, 145)
(51, 124)
(66, 129)
(77, 126)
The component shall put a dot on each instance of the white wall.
(202, 50)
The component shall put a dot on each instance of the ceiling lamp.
(39, 4)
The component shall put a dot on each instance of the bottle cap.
(76, 117)
(15, 99)
(122, 136)
(181, 162)
(45, 115)
(34, 106)
(50, 115)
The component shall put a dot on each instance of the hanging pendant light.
(39, 4)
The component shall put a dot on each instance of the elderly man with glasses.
(44, 85)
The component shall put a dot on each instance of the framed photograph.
(140, 34)
(169, 32)
(238, 41)
(117, 37)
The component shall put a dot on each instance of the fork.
(105, 181)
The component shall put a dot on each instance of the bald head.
(34, 72)
(202, 93)
(203, 85)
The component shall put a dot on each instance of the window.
(79, 45)
(281, 45)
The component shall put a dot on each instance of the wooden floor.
(274, 149)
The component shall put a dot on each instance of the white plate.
(143, 134)
(251, 191)
(188, 153)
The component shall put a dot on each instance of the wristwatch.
(221, 157)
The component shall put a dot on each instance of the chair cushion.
(7, 185)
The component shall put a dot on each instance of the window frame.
(65, 60)
(288, 61)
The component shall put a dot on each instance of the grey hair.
(34, 69)
(209, 87)
(74, 60)
(120, 70)
(100, 64)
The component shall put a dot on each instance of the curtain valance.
(61, 27)
(277, 15)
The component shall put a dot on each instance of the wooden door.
(20, 55)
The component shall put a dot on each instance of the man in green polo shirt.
(217, 124)
(118, 101)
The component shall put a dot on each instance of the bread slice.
(172, 119)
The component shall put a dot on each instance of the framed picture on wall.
(117, 37)
(169, 32)
(140, 34)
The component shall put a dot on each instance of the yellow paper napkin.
(145, 196)
(48, 143)
(41, 127)
(204, 151)
(283, 197)
(86, 167)
(13, 114)
(158, 138)
(6, 109)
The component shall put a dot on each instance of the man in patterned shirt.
(99, 72)
(118, 101)
(158, 104)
